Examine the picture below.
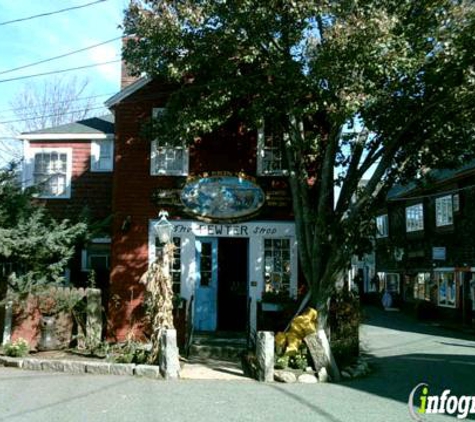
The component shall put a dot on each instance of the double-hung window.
(102, 155)
(51, 171)
(415, 218)
(382, 226)
(167, 159)
(270, 150)
(444, 211)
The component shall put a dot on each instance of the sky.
(41, 38)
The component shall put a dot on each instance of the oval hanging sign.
(222, 198)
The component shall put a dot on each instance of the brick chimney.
(125, 78)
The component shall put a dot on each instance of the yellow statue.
(300, 327)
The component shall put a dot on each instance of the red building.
(227, 196)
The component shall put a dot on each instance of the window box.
(271, 307)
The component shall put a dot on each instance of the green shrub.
(344, 319)
(129, 352)
(18, 348)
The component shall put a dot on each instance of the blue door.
(205, 317)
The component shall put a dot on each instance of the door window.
(206, 267)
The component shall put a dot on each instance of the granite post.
(265, 356)
(169, 356)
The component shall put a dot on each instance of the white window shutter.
(95, 153)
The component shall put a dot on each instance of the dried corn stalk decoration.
(160, 297)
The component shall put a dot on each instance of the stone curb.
(81, 367)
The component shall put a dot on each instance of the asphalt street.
(403, 354)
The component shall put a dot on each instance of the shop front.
(227, 267)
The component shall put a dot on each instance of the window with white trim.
(447, 289)
(102, 155)
(445, 207)
(277, 265)
(444, 212)
(175, 264)
(415, 218)
(270, 151)
(167, 159)
(51, 171)
(382, 226)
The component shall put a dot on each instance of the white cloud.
(105, 53)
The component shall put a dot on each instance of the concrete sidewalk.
(212, 369)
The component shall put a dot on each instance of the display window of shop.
(421, 286)
(446, 289)
(277, 265)
(175, 263)
(389, 282)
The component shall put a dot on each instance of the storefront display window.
(421, 286)
(446, 289)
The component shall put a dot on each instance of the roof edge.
(127, 91)
(64, 136)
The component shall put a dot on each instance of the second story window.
(51, 172)
(415, 218)
(444, 211)
(102, 155)
(167, 159)
(270, 151)
(382, 226)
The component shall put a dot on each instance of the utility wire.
(33, 115)
(58, 71)
(146, 97)
(60, 56)
(12, 110)
(51, 13)
(53, 115)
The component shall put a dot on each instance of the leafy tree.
(384, 89)
(36, 246)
